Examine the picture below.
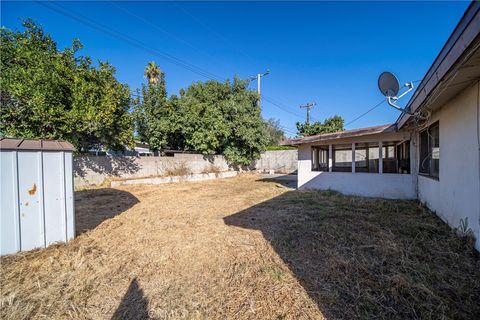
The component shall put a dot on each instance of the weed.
(274, 272)
(179, 169)
(211, 169)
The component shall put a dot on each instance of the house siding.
(456, 194)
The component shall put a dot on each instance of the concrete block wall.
(281, 161)
(94, 170)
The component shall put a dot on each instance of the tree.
(153, 112)
(152, 72)
(208, 117)
(51, 94)
(275, 132)
(223, 118)
(332, 124)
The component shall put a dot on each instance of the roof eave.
(464, 34)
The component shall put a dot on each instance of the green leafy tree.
(153, 111)
(208, 117)
(51, 94)
(223, 118)
(275, 132)
(158, 118)
(333, 124)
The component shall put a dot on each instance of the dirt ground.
(245, 248)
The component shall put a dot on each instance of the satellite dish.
(388, 84)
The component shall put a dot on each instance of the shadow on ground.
(286, 180)
(370, 258)
(94, 206)
(134, 305)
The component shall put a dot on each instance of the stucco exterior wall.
(391, 186)
(456, 194)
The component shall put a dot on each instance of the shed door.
(30, 200)
(54, 190)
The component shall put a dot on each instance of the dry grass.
(244, 248)
(212, 169)
(179, 169)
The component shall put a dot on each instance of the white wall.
(456, 194)
(392, 186)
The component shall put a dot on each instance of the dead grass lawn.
(248, 249)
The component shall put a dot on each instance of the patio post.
(380, 157)
(353, 157)
(330, 162)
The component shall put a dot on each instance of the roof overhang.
(362, 132)
(456, 67)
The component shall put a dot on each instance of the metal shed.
(36, 193)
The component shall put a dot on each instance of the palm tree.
(152, 72)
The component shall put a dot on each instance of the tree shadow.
(94, 206)
(134, 305)
(110, 165)
(287, 181)
(369, 258)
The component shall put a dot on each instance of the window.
(395, 157)
(389, 158)
(430, 151)
(403, 156)
(361, 157)
(342, 158)
(319, 158)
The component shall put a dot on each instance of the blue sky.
(328, 52)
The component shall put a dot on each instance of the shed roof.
(342, 134)
(34, 145)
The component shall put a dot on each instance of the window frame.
(429, 172)
(315, 150)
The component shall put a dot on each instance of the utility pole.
(259, 77)
(309, 107)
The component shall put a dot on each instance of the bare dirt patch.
(245, 248)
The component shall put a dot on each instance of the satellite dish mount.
(390, 87)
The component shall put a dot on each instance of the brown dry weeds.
(245, 248)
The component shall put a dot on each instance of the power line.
(373, 108)
(269, 99)
(115, 34)
(281, 106)
(287, 130)
(366, 112)
(218, 35)
(157, 27)
(284, 128)
(176, 61)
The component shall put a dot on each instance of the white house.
(435, 160)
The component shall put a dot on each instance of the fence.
(95, 170)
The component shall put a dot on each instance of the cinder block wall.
(93, 170)
(281, 161)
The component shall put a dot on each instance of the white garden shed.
(36, 193)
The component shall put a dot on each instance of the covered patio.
(373, 161)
